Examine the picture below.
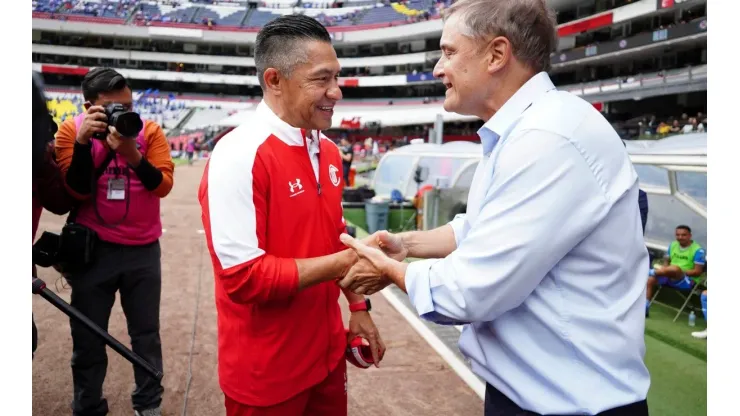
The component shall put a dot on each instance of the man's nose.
(438, 71)
(334, 93)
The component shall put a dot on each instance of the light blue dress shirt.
(550, 266)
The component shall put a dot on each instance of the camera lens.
(127, 124)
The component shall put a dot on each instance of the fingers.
(96, 109)
(348, 241)
(372, 338)
(347, 281)
(388, 240)
(361, 249)
(98, 126)
(370, 240)
(381, 349)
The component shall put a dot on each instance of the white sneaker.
(148, 412)
(700, 334)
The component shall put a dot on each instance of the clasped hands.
(380, 262)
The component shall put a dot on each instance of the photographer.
(118, 182)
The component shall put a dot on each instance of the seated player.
(682, 265)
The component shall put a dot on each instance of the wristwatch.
(360, 306)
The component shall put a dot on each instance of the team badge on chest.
(335, 179)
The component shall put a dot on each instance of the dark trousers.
(497, 404)
(136, 273)
(345, 175)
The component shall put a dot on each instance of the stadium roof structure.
(357, 117)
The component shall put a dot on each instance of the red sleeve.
(233, 199)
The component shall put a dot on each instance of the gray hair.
(281, 44)
(529, 25)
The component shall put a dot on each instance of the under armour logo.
(295, 186)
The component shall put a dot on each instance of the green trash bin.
(376, 215)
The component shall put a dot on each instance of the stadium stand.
(166, 111)
(205, 118)
(235, 14)
(63, 108)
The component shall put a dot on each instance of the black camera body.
(127, 123)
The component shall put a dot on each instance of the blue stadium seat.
(233, 19)
(260, 18)
(380, 15)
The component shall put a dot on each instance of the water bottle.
(692, 319)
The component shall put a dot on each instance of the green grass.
(678, 381)
(179, 162)
(677, 334)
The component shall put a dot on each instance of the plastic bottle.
(692, 319)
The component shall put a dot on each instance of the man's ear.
(499, 53)
(87, 105)
(272, 79)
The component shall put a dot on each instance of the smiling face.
(463, 68)
(311, 90)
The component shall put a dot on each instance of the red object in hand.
(359, 354)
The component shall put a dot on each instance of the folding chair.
(697, 287)
(694, 290)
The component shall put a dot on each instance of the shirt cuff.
(458, 225)
(148, 174)
(418, 286)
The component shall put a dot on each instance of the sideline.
(457, 365)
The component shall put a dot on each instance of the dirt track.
(413, 379)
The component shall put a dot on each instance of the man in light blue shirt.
(547, 267)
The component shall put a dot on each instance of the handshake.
(380, 263)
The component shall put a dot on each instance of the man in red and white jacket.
(271, 200)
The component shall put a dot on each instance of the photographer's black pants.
(136, 273)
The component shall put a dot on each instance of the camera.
(127, 123)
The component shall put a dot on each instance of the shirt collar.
(293, 136)
(504, 119)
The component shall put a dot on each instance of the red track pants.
(328, 398)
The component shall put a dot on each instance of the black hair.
(102, 80)
(276, 45)
(684, 227)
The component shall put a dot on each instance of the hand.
(362, 325)
(391, 244)
(364, 279)
(369, 275)
(371, 241)
(95, 121)
(126, 147)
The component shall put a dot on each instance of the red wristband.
(360, 306)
